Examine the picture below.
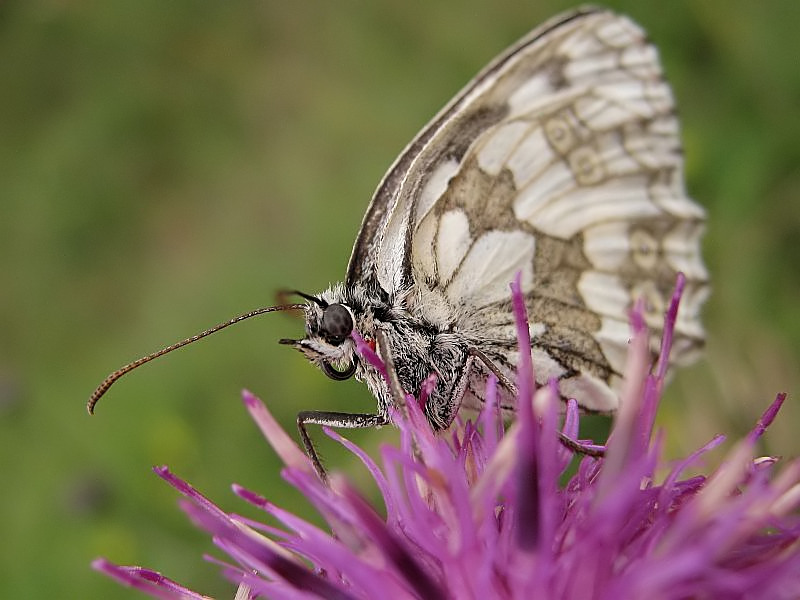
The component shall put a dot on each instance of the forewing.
(382, 250)
(562, 161)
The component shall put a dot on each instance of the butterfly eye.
(337, 324)
(337, 375)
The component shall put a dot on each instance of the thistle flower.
(480, 513)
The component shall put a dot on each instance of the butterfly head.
(327, 342)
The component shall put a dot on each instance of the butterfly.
(560, 161)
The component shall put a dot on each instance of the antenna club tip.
(93, 400)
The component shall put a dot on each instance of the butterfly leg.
(477, 355)
(384, 350)
(332, 419)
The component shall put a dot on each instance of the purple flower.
(479, 512)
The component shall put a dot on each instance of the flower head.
(479, 512)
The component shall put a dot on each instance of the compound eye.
(337, 375)
(337, 324)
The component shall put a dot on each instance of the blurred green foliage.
(165, 165)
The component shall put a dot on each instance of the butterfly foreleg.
(332, 419)
(384, 350)
(477, 355)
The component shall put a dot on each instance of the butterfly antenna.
(109, 381)
(318, 301)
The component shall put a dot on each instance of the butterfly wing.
(561, 160)
(383, 247)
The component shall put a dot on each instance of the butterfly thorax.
(420, 347)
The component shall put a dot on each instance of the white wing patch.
(491, 263)
(435, 187)
(533, 93)
(547, 367)
(595, 394)
(530, 158)
(452, 242)
(681, 248)
(607, 245)
(619, 33)
(499, 144)
(604, 294)
(613, 337)
(392, 249)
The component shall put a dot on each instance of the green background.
(166, 165)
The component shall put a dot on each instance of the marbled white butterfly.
(561, 161)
